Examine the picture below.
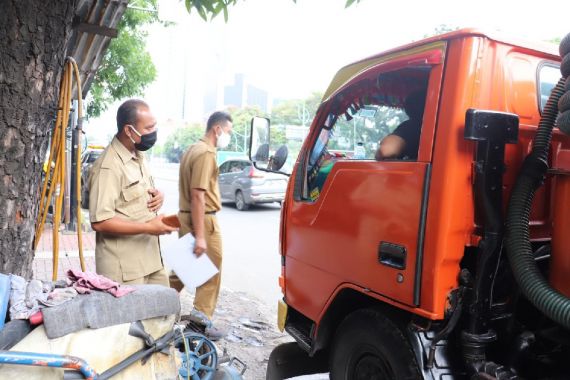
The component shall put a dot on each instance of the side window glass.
(370, 120)
(548, 77)
(235, 167)
(93, 157)
(224, 167)
(243, 165)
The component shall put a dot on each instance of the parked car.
(87, 160)
(241, 183)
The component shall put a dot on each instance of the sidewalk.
(68, 254)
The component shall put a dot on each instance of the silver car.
(241, 183)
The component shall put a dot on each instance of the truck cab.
(378, 253)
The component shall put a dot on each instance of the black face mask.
(147, 141)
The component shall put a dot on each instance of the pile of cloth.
(27, 298)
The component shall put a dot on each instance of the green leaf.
(207, 6)
(189, 5)
(349, 3)
(219, 7)
(127, 68)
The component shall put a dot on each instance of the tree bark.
(34, 36)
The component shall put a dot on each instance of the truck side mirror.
(260, 147)
(259, 142)
(279, 158)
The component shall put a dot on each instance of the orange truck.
(448, 259)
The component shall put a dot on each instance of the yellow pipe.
(50, 172)
(78, 165)
(62, 170)
(54, 181)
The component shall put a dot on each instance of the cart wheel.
(199, 357)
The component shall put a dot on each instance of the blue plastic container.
(4, 297)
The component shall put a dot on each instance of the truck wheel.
(368, 345)
(565, 45)
(241, 204)
(565, 66)
(564, 102)
(289, 360)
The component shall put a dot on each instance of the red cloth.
(84, 282)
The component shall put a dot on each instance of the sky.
(293, 49)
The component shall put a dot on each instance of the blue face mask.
(147, 141)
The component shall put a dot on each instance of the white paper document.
(193, 271)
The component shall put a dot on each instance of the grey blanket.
(100, 309)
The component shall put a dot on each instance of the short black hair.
(127, 113)
(216, 118)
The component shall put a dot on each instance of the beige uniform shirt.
(199, 170)
(118, 186)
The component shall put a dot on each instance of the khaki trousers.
(160, 277)
(206, 296)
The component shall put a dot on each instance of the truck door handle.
(392, 255)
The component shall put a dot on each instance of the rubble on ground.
(251, 329)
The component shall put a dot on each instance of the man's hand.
(157, 227)
(155, 203)
(199, 246)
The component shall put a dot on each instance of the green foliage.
(368, 130)
(177, 143)
(241, 124)
(278, 137)
(208, 9)
(296, 111)
(350, 2)
(127, 68)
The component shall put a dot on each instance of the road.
(250, 241)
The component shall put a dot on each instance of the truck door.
(356, 221)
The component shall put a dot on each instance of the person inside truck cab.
(405, 140)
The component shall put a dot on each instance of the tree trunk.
(34, 36)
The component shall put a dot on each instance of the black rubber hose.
(517, 236)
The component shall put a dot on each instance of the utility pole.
(303, 114)
(71, 198)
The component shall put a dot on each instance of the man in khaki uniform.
(123, 202)
(199, 201)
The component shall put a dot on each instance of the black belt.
(207, 212)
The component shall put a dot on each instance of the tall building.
(239, 93)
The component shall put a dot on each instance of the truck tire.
(564, 102)
(565, 66)
(565, 45)
(563, 122)
(289, 360)
(241, 204)
(367, 345)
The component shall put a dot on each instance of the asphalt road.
(250, 241)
